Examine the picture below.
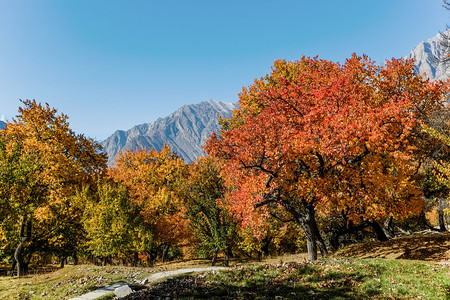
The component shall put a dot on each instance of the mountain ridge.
(428, 59)
(185, 131)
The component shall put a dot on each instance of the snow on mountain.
(185, 131)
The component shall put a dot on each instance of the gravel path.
(155, 277)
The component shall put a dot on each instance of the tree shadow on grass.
(433, 247)
(333, 285)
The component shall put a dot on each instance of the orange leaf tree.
(153, 179)
(318, 135)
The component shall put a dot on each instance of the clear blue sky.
(111, 64)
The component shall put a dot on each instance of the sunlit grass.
(65, 283)
(326, 279)
(284, 277)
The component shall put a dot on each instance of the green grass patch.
(325, 279)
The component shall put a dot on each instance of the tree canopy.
(43, 163)
(318, 135)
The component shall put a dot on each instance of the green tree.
(209, 218)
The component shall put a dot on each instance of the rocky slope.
(185, 131)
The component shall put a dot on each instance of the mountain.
(185, 131)
(428, 59)
(2, 125)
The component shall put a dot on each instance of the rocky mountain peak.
(185, 131)
(428, 58)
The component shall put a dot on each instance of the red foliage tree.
(318, 135)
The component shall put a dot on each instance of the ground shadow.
(432, 247)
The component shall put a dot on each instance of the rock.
(123, 291)
(145, 281)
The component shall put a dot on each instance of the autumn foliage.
(318, 136)
(315, 147)
(43, 163)
(153, 179)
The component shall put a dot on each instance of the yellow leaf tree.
(43, 164)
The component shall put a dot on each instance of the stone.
(123, 291)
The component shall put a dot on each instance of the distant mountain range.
(2, 125)
(187, 129)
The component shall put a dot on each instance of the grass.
(402, 268)
(66, 283)
(326, 279)
(72, 281)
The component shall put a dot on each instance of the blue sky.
(112, 64)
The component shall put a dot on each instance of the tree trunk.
(311, 245)
(381, 236)
(13, 267)
(135, 259)
(442, 206)
(151, 257)
(19, 253)
(75, 259)
(214, 258)
(307, 223)
(266, 244)
(18, 256)
(389, 226)
(319, 239)
(164, 252)
(227, 257)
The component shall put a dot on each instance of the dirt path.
(153, 278)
